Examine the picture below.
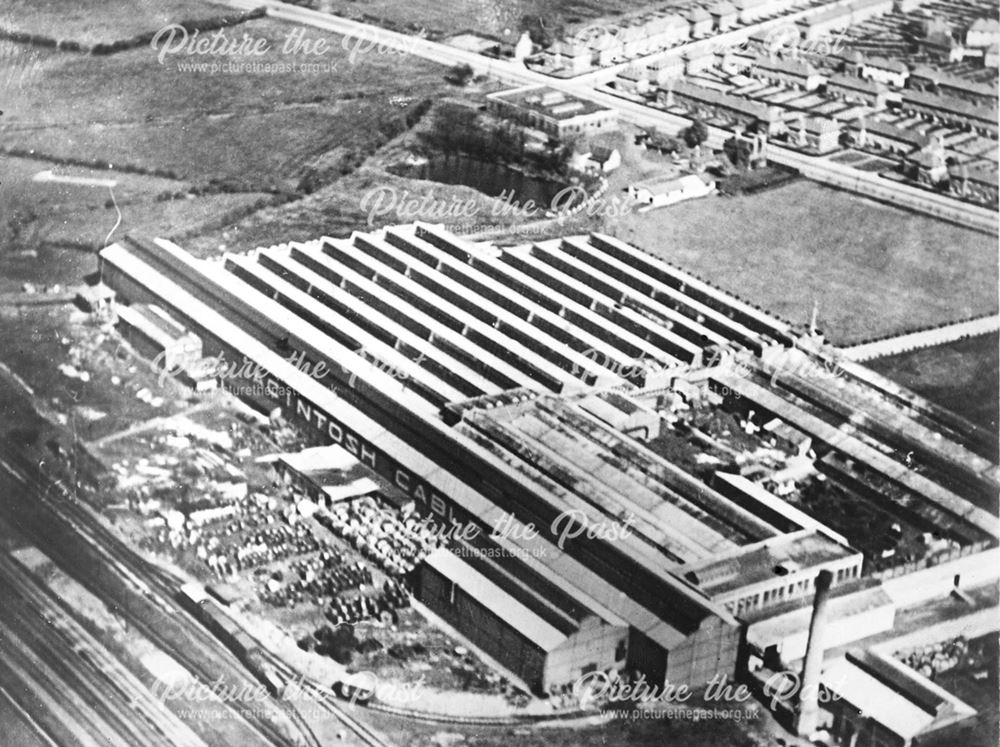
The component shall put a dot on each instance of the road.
(361, 39)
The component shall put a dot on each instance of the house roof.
(851, 83)
(950, 104)
(698, 14)
(717, 98)
(986, 26)
(788, 67)
(821, 125)
(884, 129)
(833, 14)
(979, 173)
(956, 82)
(601, 153)
(633, 72)
(884, 63)
(723, 8)
(689, 181)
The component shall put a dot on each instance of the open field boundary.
(120, 45)
(896, 344)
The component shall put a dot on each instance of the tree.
(544, 31)
(738, 152)
(455, 127)
(460, 75)
(20, 224)
(663, 142)
(696, 134)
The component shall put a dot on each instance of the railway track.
(328, 701)
(114, 706)
(158, 587)
(146, 600)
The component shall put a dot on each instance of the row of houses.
(711, 103)
(838, 19)
(877, 75)
(605, 43)
(975, 183)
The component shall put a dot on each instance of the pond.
(496, 180)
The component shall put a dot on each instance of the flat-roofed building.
(781, 633)
(551, 111)
(772, 571)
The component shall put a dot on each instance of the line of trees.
(460, 128)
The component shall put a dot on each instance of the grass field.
(963, 376)
(477, 16)
(82, 216)
(95, 21)
(224, 139)
(261, 128)
(872, 268)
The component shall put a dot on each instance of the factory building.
(545, 647)
(156, 335)
(516, 389)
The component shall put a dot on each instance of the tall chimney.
(808, 717)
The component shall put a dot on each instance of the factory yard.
(192, 492)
